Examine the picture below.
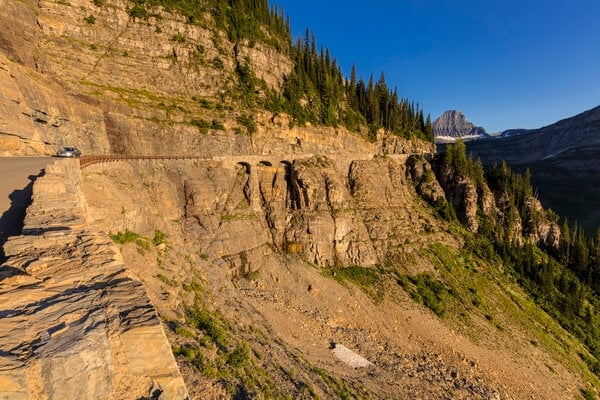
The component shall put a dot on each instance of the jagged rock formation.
(471, 198)
(452, 125)
(76, 324)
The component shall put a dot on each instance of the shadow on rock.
(11, 222)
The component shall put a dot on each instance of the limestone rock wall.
(75, 323)
(241, 212)
(38, 117)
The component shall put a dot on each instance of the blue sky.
(504, 64)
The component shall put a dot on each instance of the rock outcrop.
(420, 172)
(263, 235)
(472, 200)
(330, 211)
(75, 323)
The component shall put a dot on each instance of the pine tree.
(429, 129)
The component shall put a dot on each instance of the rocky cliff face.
(329, 211)
(474, 200)
(76, 323)
(38, 116)
(108, 82)
(452, 125)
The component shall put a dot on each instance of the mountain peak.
(453, 124)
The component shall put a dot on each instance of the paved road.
(16, 180)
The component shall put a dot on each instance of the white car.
(69, 152)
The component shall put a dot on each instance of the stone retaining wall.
(75, 323)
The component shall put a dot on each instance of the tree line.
(317, 92)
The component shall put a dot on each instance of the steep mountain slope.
(452, 125)
(282, 244)
(564, 162)
(109, 82)
(262, 272)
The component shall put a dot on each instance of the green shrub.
(159, 237)
(179, 38)
(247, 121)
(218, 63)
(205, 104)
(203, 126)
(124, 237)
(217, 125)
(200, 318)
(239, 357)
(138, 11)
(190, 353)
(185, 332)
(90, 19)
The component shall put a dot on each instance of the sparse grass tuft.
(240, 356)
(159, 238)
(178, 38)
(166, 280)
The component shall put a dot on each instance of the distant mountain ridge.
(453, 124)
(581, 130)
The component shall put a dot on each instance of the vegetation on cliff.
(315, 91)
(253, 20)
(563, 279)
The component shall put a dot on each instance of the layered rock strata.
(328, 211)
(75, 323)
